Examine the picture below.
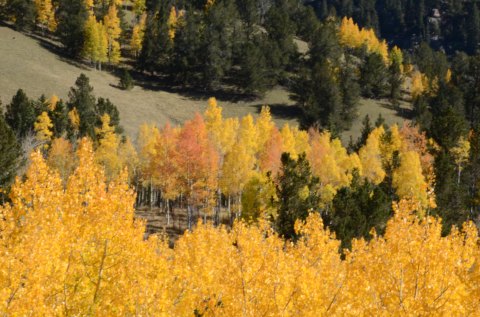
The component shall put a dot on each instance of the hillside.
(28, 64)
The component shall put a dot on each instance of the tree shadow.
(401, 111)
(281, 111)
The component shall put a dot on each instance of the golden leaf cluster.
(77, 250)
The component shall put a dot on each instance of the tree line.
(239, 168)
(239, 47)
(447, 24)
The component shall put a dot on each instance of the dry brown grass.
(26, 63)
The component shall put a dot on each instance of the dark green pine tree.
(471, 175)
(473, 28)
(319, 95)
(59, 117)
(217, 53)
(395, 81)
(11, 157)
(451, 197)
(350, 90)
(280, 29)
(373, 77)
(297, 194)
(421, 112)
(254, 75)
(71, 16)
(366, 14)
(156, 45)
(81, 97)
(366, 130)
(105, 106)
(20, 114)
(23, 11)
(186, 61)
(357, 209)
(448, 116)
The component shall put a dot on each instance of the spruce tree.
(105, 106)
(20, 114)
(373, 77)
(81, 97)
(71, 15)
(297, 194)
(59, 119)
(395, 81)
(156, 45)
(357, 209)
(350, 91)
(10, 158)
(254, 72)
(473, 28)
(319, 95)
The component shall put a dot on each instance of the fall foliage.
(76, 250)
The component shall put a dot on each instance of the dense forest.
(278, 220)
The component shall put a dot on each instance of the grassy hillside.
(25, 63)
(28, 63)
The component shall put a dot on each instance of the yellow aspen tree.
(288, 141)
(409, 181)
(90, 44)
(370, 156)
(264, 126)
(43, 129)
(89, 5)
(257, 197)
(146, 140)
(129, 158)
(383, 50)
(76, 250)
(172, 23)
(138, 33)
(414, 140)
(301, 141)
(74, 119)
(102, 48)
(396, 56)
(413, 254)
(46, 14)
(166, 167)
(139, 7)
(61, 158)
(236, 171)
(417, 85)
(52, 102)
(349, 33)
(448, 76)
(209, 4)
(248, 134)
(330, 163)
(106, 154)
(95, 46)
(113, 31)
(270, 156)
(391, 144)
(214, 122)
(461, 154)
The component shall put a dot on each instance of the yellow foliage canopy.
(78, 251)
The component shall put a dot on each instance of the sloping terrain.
(25, 63)
(28, 63)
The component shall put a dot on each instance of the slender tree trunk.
(229, 211)
(168, 212)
